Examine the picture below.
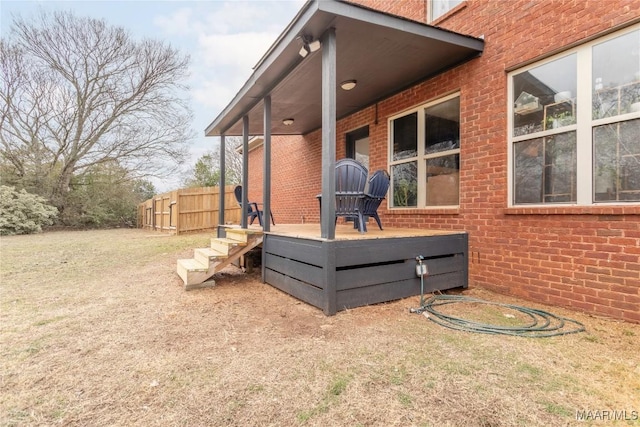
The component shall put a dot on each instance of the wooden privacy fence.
(188, 210)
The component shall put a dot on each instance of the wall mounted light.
(348, 84)
(314, 45)
(308, 45)
(287, 122)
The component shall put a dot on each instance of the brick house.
(532, 147)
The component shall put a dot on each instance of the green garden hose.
(543, 324)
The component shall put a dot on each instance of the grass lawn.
(97, 330)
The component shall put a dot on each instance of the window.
(574, 125)
(425, 155)
(437, 8)
(358, 145)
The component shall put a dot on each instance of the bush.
(23, 213)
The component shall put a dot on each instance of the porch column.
(245, 171)
(328, 212)
(266, 179)
(221, 206)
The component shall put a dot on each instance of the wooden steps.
(195, 272)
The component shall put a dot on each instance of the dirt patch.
(98, 330)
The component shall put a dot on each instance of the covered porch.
(333, 60)
(297, 88)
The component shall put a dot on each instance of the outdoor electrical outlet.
(421, 270)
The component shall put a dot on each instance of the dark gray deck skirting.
(334, 275)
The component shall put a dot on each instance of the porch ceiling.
(384, 53)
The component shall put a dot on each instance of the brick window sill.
(425, 211)
(575, 210)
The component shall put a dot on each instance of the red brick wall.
(295, 180)
(583, 258)
(411, 9)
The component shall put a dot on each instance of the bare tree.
(206, 171)
(77, 93)
(233, 160)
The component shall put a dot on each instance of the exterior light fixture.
(348, 84)
(314, 45)
(287, 122)
(308, 45)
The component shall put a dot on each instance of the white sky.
(225, 39)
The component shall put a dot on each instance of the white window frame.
(449, 6)
(421, 157)
(584, 126)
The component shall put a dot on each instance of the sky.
(225, 40)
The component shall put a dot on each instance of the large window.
(425, 155)
(574, 125)
(437, 8)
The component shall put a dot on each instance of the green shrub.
(22, 212)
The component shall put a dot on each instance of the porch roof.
(384, 53)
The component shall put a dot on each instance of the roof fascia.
(376, 17)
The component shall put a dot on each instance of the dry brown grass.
(98, 330)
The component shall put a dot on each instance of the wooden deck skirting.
(359, 269)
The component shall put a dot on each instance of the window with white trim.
(437, 8)
(424, 146)
(574, 125)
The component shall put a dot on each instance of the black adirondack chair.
(351, 178)
(375, 194)
(253, 211)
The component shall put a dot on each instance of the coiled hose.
(543, 324)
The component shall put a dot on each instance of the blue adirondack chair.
(253, 211)
(375, 194)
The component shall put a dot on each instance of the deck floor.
(347, 232)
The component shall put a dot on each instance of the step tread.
(211, 252)
(243, 231)
(192, 265)
(244, 237)
(228, 241)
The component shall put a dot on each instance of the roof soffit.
(385, 54)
